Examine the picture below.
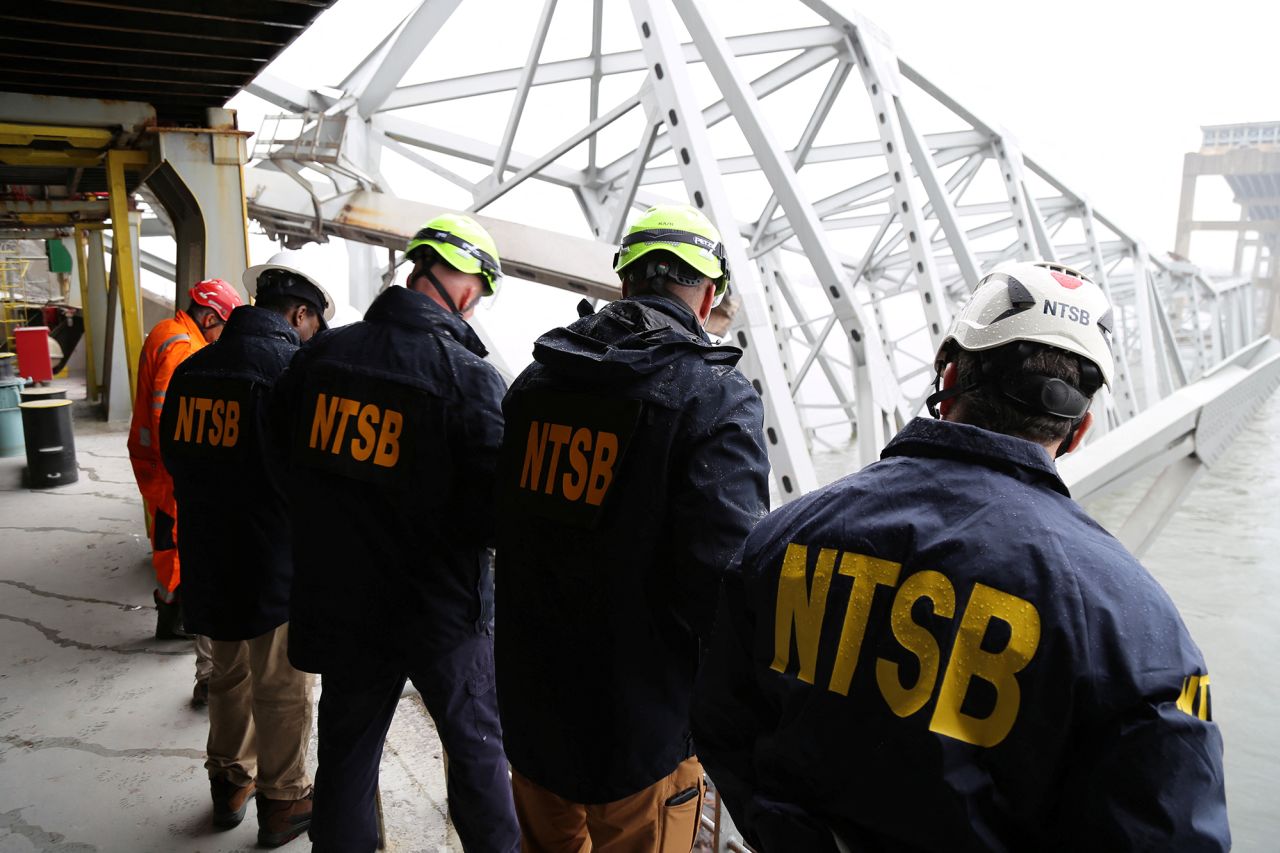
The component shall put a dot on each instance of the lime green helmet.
(463, 244)
(685, 232)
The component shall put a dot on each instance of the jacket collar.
(192, 328)
(674, 313)
(409, 308)
(260, 322)
(950, 440)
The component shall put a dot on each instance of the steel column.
(878, 68)
(522, 92)
(1151, 391)
(1124, 400)
(125, 250)
(1009, 159)
(390, 63)
(79, 238)
(673, 90)
(873, 373)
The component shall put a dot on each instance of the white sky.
(1107, 95)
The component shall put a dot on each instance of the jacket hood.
(632, 337)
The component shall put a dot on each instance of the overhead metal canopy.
(179, 56)
(98, 97)
(121, 67)
(37, 158)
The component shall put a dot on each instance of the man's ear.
(950, 376)
(626, 286)
(1085, 423)
(707, 302)
(471, 299)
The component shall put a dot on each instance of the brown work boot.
(281, 821)
(230, 801)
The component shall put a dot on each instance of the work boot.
(200, 694)
(230, 801)
(281, 821)
(169, 618)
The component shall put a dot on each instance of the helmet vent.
(1020, 298)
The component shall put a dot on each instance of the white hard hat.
(301, 262)
(1045, 303)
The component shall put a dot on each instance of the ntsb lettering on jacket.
(568, 454)
(372, 429)
(207, 416)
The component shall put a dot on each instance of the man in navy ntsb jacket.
(393, 426)
(633, 467)
(235, 548)
(943, 651)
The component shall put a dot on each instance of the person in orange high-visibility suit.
(166, 346)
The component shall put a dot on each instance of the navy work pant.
(356, 707)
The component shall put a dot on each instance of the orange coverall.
(167, 345)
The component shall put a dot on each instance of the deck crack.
(56, 638)
(41, 838)
(34, 590)
(99, 749)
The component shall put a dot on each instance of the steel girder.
(882, 206)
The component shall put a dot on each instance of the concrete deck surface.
(100, 749)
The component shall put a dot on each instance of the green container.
(11, 438)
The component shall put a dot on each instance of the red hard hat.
(216, 294)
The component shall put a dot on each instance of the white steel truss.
(854, 234)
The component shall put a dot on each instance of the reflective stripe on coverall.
(166, 346)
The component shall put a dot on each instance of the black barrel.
(32, 393)
(51, 445)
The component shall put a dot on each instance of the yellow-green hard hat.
(463, 244)
(682, 230)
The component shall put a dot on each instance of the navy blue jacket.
(633, 469)
(944, 652)
(234, 543)
(392, 426)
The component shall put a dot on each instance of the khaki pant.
(640, 823)
(204, 658)
(259, 716)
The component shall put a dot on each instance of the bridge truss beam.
(873, 216)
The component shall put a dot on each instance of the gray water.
(1219, 559)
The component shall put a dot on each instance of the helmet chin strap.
(939, 395)
(444, 294)
(1065, 446)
